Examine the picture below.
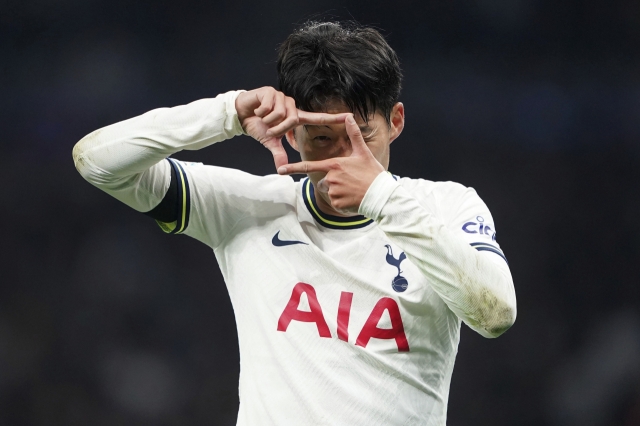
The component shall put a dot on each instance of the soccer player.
(349, 287)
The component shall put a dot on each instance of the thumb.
(323, 186)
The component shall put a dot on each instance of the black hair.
(324, 62)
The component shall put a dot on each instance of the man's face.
(315, 143)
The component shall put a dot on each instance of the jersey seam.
(151, 193)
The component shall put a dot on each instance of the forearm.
(122, 159)
(477, 289)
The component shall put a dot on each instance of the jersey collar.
(327, 220)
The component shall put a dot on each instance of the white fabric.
(290, 374)
(477, 287)
(124, 159)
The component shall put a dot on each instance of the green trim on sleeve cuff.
(183, 201)
(167, 227)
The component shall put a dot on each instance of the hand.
(347, 178)
(267, 114)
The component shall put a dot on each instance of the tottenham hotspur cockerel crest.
(399, 283)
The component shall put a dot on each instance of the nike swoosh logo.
(281, 243)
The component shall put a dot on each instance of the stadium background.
(105, 320)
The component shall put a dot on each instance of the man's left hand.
(347, 178)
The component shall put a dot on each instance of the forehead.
(338, 107)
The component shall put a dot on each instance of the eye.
(322, 138)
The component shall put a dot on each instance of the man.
(349, 286)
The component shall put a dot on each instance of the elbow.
(504, 319)
(493, 307)
(499, 319)
(80, 158)
(493, 315)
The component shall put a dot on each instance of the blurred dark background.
(105, 320)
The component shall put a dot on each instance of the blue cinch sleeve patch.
(489, 247)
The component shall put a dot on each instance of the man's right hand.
(267, 114)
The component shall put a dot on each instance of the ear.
(397, 121)
(291, 138)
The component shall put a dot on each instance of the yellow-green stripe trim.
(184, 200)
(167, 227)
(330, 222)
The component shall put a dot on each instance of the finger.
(266, 103)
(355, 136)
(279, 111)
(289, 123)
(307, 167)
(306, 117)
(280, 157)
(323, 185)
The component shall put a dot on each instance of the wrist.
(377, 195)
(243, 105)
(232, 110)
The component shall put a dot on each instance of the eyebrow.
(364, 129)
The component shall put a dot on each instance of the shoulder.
(216, 199)
(452, 202)
(228, 182)
(444, 192)
(424, 185)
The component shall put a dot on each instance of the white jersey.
(341, 321)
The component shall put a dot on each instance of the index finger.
(305, 117)
(280, 157)
(304, 167)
